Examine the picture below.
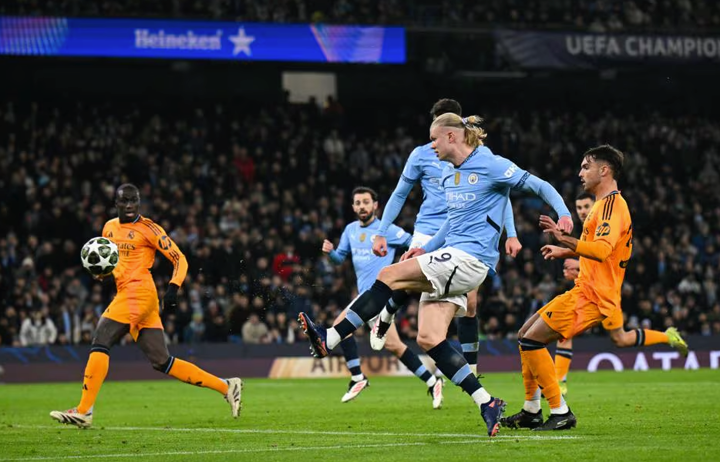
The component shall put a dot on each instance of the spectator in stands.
(254, 331)
(38, 329)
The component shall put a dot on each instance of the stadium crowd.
(596, 15)
(249, 194)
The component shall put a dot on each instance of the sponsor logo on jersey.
(458, 196)
(603, 229)
(164, 243)
(509, 172)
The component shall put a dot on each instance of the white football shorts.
(453, 273)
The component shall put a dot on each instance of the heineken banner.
(570, 50)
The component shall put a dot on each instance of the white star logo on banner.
(242, 42)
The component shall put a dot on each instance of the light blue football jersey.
(424, 166)
(477, 194)
(357, 240)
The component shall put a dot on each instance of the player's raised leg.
(152, 343)
(435, 385)
(646, 337)
(107, 334)
(405, 275)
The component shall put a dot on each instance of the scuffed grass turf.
(634, 416)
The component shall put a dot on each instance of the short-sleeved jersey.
(137, 243)
(477, 194)
(424, 166)
(609, 221)
(358, 240)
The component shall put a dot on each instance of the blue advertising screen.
(141, 38)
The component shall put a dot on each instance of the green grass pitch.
(631, 416)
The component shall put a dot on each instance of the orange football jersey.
(137, 243)
(608, 222)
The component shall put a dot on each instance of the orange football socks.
(563, 358)
(650, 337)
(541, 365)
(95, 373)
(190, 373)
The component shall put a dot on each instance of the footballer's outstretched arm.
(171, 251)
(395, 204)
(338, 256)
(509, 220)
(438, 239)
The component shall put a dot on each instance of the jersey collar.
(472, 154)
(611, 194)
(375, 218)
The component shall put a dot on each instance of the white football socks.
(481, 397)
(563, 409)
(532, 406)
(333, 338)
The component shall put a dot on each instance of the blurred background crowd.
(248, 192)
(595, 15)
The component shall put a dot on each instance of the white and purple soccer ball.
(99, 256)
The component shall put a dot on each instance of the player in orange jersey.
(614, 325)
(604, 251)
(136, 310)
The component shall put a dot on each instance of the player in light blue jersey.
(356, 240)
(423, 166)
(456, 260)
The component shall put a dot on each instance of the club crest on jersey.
(131, 235)
(603, 230)
(457, 178)
(164, 243)
(473, 178)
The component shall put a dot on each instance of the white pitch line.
(246, 451)
(300, 432)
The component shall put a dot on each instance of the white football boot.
(354, 389)
(436, 393)
(234, 395)
(378, 333)
(73, 417)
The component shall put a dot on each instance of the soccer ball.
(99, 256)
